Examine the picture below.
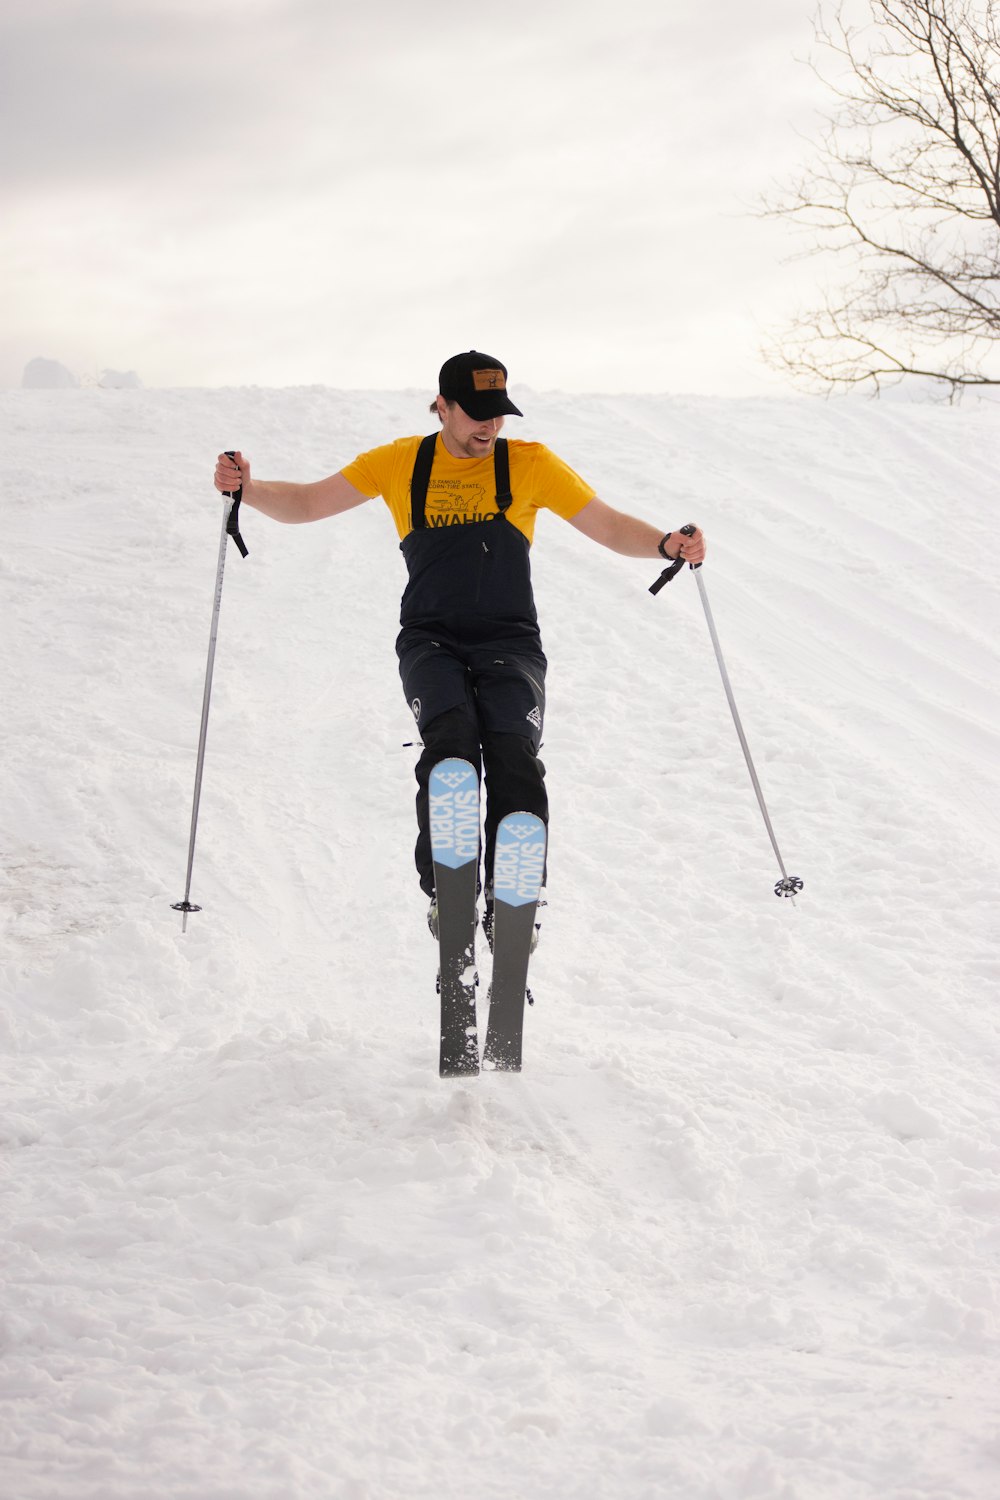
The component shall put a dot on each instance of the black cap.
(478, 382)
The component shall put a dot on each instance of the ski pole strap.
(666, 575)
(233, 520)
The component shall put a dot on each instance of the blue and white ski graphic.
(453, 790)
(518, 872)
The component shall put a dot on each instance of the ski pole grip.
(690, 530)
(233, 523)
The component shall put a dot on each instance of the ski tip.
(454, 770)
(500, 1065)
(459, 1068)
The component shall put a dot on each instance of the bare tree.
(905, 195)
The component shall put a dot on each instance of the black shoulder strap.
(501, 469)
(421, 477)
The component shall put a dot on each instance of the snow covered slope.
(733, 1234)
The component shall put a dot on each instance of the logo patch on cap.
(489, 380)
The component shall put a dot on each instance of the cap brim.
(489, 404)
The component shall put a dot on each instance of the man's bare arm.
(634, 538)
(291, 503)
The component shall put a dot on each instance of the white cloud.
(287, 190)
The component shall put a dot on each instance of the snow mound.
(119, 380)
(47, 375)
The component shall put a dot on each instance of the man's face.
(463, 436)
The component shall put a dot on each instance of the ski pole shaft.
(736, 720)
(788, 885)
(230, 510)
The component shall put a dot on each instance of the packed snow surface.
(733, 1234)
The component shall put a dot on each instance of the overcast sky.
(285, 192)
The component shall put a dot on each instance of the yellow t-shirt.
(464, 489)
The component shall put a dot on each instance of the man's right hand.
(231, 474)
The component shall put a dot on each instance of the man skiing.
(470, 655)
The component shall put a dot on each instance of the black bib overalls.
(470, 656)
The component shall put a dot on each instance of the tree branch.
(904, 197)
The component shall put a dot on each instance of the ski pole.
(788, 885)
(230, 528)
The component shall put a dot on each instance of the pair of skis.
(518, 869)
